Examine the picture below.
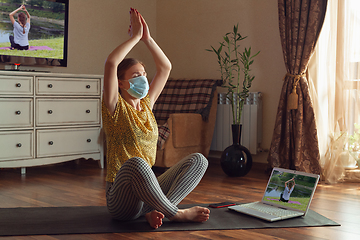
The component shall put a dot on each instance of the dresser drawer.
(16, 85)
(68, 86)
(67, 141)
(16, 112)
(16, 145)
(67, 111)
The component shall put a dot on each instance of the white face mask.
(139, 87)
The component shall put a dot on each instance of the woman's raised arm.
(110, 94)
(11, 15)
(27, 13)
(163, 64)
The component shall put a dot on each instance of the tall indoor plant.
(235, 63)
(235, 70)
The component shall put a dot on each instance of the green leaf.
(247, 52)
(236, 29)
(220, 49)
(255, 54)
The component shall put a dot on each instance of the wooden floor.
(82, 184)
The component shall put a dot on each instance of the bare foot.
(194, 214)
(154, 218)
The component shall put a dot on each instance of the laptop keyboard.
(279, 212)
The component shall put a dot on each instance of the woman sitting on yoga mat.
(289, 187)
(21, 29)
(132, 189)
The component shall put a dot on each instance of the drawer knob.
(18, 112)
(88, 111)
(51, 143)
(88, 140)
(19, 145)
(88, 86)
(18, 85)
(50, 112)
(50, 85)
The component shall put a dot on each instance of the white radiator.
(251, 120)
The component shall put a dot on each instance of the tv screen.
(38, 37)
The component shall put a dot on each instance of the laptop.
(288, 194)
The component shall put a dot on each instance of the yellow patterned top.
(129, 133)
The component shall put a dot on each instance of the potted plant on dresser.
(234, 63)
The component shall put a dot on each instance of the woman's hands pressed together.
(136, 27)
(146, 32)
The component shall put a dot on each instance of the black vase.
(236, 160)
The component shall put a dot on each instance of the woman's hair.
(22, 19)
(125, 65)
(291, 184)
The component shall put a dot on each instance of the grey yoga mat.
(96, 219)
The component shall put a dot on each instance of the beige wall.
(184, 29)
(97, 27)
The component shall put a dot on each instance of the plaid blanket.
(164, 132)
(183, 96)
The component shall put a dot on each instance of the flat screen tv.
(47, 35)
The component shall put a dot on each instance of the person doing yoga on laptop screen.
(289, 187)
(132, 189)
(21, 30)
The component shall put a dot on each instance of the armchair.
(186, 115)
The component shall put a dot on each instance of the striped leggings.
(136, 190)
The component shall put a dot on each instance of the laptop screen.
(290, 189)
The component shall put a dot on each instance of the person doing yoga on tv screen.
(289, 187)
(21, 30)
(132, 189)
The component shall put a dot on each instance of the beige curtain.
(335, 73)
(294, 144)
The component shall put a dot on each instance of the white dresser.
(48, 118)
